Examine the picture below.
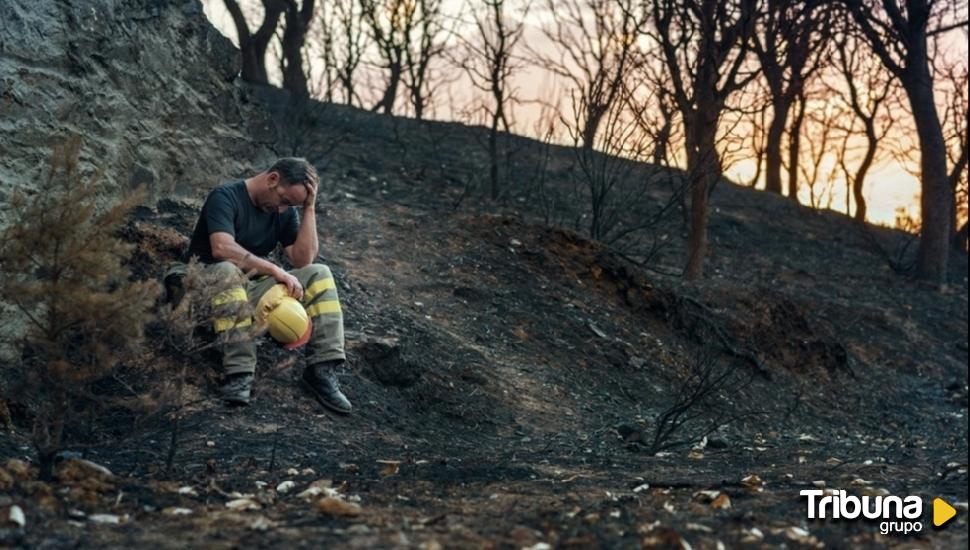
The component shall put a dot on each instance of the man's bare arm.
(303, 251)
(225, 248)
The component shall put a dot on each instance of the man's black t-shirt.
(229, 209)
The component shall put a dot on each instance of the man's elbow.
(220, 252)
(302, 260)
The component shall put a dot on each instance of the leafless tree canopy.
(341, 44)
(408, 36)
(864, 87)
(487, 57)
(807, 90)
(593, 46)
(390, 25)
(427, 46)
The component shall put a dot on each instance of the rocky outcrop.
(150, 85)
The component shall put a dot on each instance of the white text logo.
(839, 505)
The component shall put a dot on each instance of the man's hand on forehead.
(310, 178)
(310, 183)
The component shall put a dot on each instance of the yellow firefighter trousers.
(319, 298)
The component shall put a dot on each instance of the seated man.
(240, 224)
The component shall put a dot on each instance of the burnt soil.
(507, 375)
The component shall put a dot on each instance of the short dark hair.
(292, 170)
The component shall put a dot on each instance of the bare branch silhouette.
(900, 35)
(593, 47)
(488, 58)
(705, 44)
(790, 42)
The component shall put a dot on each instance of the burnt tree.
(900, 33)
(705, 44)
(864, 87)
(390, 24)
(297, 19)
(790, 39)
(421, 52)
(488, 61)
(253, 45)
(956, 119)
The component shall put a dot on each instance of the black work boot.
(322, 383)
(237, 389)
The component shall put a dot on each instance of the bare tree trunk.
(794, 148)
(960, 238)
(48, 435)
(703, 168)
(419, 54)
(872, 142)
(594, 116)
(493, 158)
(254, 64)
(297, 24)
(711, 32)
(488, 61)
(390, 25)
(386, 104)
(418, 103)
(864, 91)
(779, 123)
(900, 36)
(352, 25)
(790, 38)
(937, 197)
(664, 134)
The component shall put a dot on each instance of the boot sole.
(320, 399)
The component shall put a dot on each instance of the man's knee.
(321, 270)
(318, 284)
(314, 271)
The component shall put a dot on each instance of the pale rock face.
(149, 84)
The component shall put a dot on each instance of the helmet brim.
(303, 339)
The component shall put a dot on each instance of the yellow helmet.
(287, 320)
